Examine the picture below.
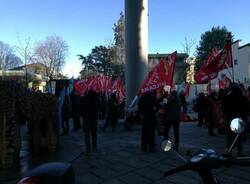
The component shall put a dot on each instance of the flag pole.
(173, 70)
(230, 73)
(231, 53)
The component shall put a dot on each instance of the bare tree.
(188, 45)
(119, 38)
(187, 48)
(12, 61)
(25, 50)
(5, 52)
(52, 53)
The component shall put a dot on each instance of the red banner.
(105, 83)
(209, 90)
(99, 83)
(82, 86)
(169, 67)
(161, 75)
(118, 87)
(224, 82)
(203, 76)
(215, 62)
(187, 89)
(173, 87)
(223, 60)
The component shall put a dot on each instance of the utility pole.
(136, 45)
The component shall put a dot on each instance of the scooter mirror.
(237, 125)
(166, 145)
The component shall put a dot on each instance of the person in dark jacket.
(183, 102)
(90, 120)
(202, 108)
(213, 112)
(112, 113)
(182, 97)
(146, 108)
(235, 105)
(173, 114)
(76, 100)
(221, 117)
(66, 110)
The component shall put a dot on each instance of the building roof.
(236, 41)
(28, 65)
(157, 55)
(246, 45)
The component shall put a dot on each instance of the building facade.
(180, 65)
(241, 65)
(34, 75)
(241, 62)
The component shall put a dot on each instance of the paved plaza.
(119, 159)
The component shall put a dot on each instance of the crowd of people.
(91, 107)
(215, 111)
(218, 109)
(158, 112)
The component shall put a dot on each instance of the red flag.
(173, 87)
(118, 86)
(187, 90)
(203, 76)
(227, 82)
(221, 84)
(107, 84)
(161, 75)
(102, 80)
(223, 60)
(155, 79)
(224, 82)
(215, 62)
(82, 86)
(220, 61)
(169, 66)
(121, 93)
(95, 84)
(209, 90)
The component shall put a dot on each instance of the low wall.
(38, 109)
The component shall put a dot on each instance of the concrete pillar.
(136, 45)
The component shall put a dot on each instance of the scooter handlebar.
(240, 161)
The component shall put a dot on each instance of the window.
(235, 62)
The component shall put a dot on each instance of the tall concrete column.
(136, 45)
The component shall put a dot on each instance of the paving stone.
(152, 157)
(162, 181)
(161, 166)
(119, 158)
(121, 168)
(241, 174)
(115, 181)
(180, 179)
(87, 178)
(232, 180)
(133, 178)
(150, 173)
(135, 163)
(114, 158)
(97, 163)
(125, 153)
(105, 173)
(81, 168)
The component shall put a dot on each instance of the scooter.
(207, 159)
(50, 173)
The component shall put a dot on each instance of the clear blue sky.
(87, 23)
